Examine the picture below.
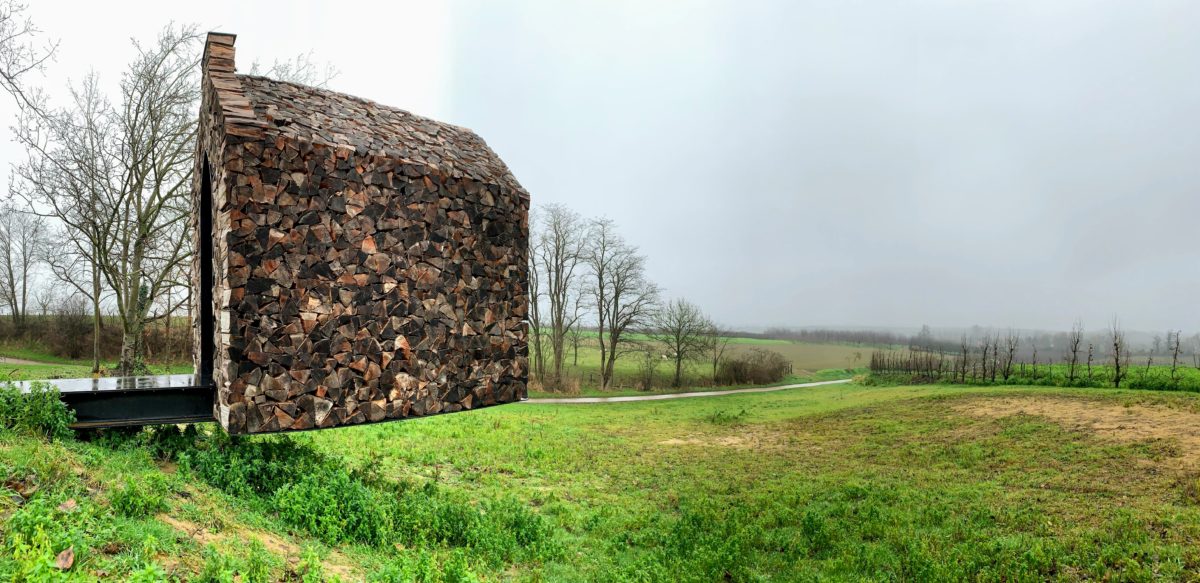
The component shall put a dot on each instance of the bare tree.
(70, 258)
(68, 168)
(624, 299)
(1120, 352)
(22, 238)
(681, 326)
(648, 362)
(985, 345)
(716, 341)
(559, 250)
(119, 177)
(964, 358)
(1012, 342)
(1174, 345)
(299, 69)
(1091, 357)
(19, 56)
(1035, 359)
(923, 340)
(577, 332)
(46, 297)
(536, 323)
(1073, 342)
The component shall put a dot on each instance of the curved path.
(681, 395)
(8, 360)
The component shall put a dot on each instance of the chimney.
(218, 53)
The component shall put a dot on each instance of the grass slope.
(839, 482)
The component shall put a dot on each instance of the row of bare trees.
(22, 243)
(584, 276)
(100, 204)
(992, 358)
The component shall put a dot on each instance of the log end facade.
(365, 264)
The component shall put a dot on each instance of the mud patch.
(276, 544)
(743, 440)
(1109, 421)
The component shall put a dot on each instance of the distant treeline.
(1081, 361)
(1031, 345)
(924, 341)
(67, 332)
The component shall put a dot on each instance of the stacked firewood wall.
(357, 286)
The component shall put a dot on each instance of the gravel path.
(681, 395)
(7, 360)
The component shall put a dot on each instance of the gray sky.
(794, 163)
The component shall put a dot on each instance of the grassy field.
(831, 483)
(20, 372)
(828, 374)
(807, 360)
(810, 361)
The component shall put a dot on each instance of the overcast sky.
(794, 163)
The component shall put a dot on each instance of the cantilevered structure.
(355, 263)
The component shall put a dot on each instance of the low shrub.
(140, 498)
(218, 568)
(38, 412)
(723, 417)
(166, 442)
(247, 467)
(150, 573)
(258, 564)
(34, 535)
(39, 517)
(34, 560)
(310, 569)
(423, 567)
(757, 366)
(336, 508)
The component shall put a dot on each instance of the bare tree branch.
(299, 69)
(19, 55)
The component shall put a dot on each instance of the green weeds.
(38, 412)
(319, 495)
(140, 498)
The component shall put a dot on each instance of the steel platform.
(135, 401)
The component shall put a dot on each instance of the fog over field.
(1017, 164)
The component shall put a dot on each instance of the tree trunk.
(608, 366)
(133, 320)
(96, 324)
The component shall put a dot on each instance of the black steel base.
(134, 401)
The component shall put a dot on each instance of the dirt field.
(1110, 421)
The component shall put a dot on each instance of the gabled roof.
(267, 108)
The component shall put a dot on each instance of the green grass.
(840, 482)
(828, 374)
(639, 337)
(21, 372)
(25, 351)
(807, 359)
